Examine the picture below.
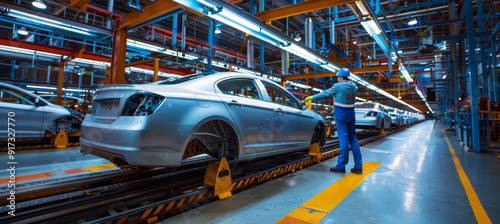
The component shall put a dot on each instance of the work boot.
(358, 171)
(334, 169)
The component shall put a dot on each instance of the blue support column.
(92, 78)
(482, 49)
(457, 82)
(13, 70)
(184, 24)
(262, 45)
(262, 56)
(174, 29)
(210, 43)
(494, 74)
(476, 144)
(464, 67)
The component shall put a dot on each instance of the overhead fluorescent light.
(22, 31)
(39, 4)
(371, 27)
(297, 38)
(217, 30)
(49, 22)
(413, 22)
(362, 8)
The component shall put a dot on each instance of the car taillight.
(371, 114)
(142, 104)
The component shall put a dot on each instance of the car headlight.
(142, 104)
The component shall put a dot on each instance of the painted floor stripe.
(57, 173)
(478, 209)
(498, 156)
(99, 167)
(316, 208)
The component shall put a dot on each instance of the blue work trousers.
(346, 131)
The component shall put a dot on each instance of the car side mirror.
(37, 102)
(304, 107)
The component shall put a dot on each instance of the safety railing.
(67, 12)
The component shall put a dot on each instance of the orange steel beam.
(152, 11)
(119, 51)
(157, 67)
(79, 4)
(61, 81)
(140, 62)
(373, 69)
(299, 8)
(307, 76)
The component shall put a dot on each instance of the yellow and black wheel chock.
(218, 177)
(315, 150)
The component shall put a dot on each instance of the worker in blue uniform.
(344, 93)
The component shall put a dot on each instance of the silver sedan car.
(33, 115)
(225, 114)
(397, 118)
(371, 115)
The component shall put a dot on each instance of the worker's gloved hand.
(308, 98)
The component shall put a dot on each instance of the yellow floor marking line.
(478, 209)
(498, 156)
(319, 206)
(99, 167)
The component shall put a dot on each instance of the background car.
(53, 98)
(397, 118)
(371, 115)
(227, 114)
(33, 115)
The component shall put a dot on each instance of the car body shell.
(263, 128)
(397, 118)
(381, 120)
(32, 119)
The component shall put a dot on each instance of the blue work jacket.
(344, 94)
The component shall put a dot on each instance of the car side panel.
(28, 120)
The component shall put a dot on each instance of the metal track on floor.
(167, 208)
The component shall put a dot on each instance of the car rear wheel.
(215, 138)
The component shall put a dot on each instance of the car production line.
(416, 181)
(415, 175)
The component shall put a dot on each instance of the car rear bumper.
(135, 141)
(367, 122)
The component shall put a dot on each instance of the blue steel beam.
(174, 30)
(210, 43)
(471, 39)
(418, 5)
(494, 71)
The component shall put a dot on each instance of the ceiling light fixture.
(39, 4)
(413, 22)
(217, 30)
(22, 31)
(297, 38)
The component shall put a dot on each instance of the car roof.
(24, 91)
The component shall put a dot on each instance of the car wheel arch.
(319, 133)
(216, 124)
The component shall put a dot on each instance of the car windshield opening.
(177, 80)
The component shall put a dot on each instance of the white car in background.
(34, 116)
(371, 115)
(397, 118)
